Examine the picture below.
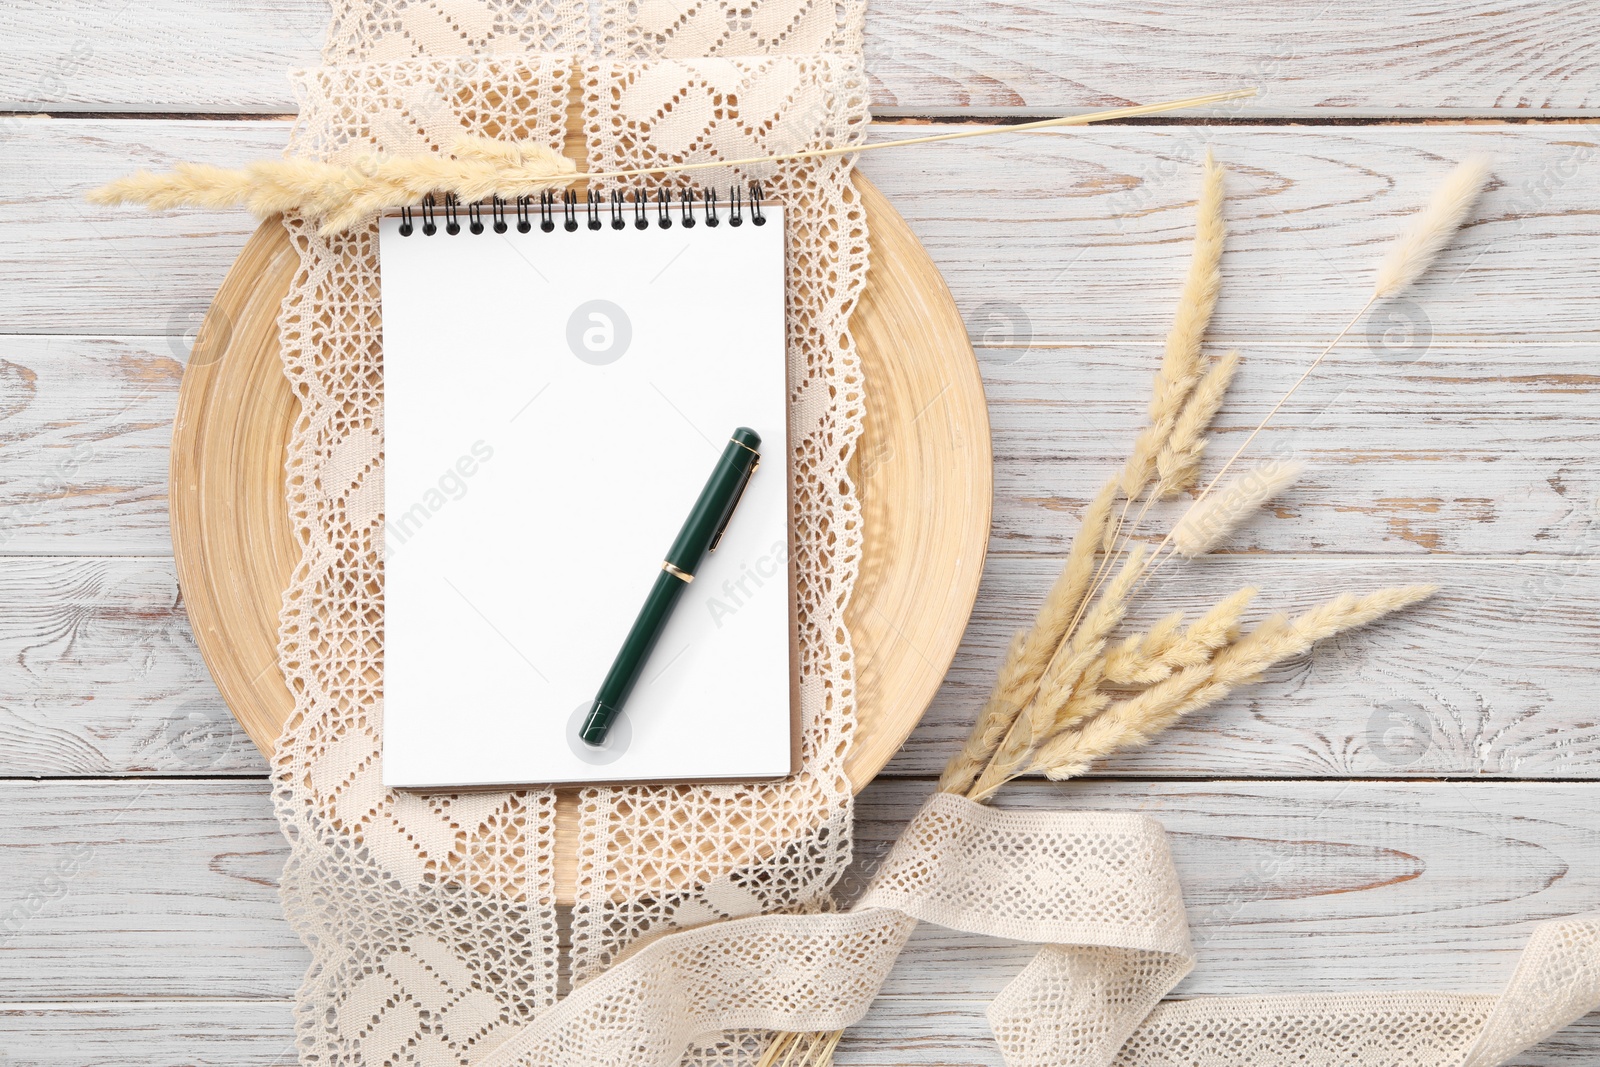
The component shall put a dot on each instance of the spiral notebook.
(560, 377)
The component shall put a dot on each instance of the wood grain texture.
(1083, 236)
(102, 676)
(1466, 448)
(166, 889)
(1411, 447)
(1494, 678)
(928, 56)
(1490, 677)
(936, 1032)
(84, 430)
(234, 545)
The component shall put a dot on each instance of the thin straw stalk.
(342, 196)
(1031, 652)
(1061, 678)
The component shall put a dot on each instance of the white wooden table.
(1396, 810)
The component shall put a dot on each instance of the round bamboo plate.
(922, 470)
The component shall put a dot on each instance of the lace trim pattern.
(771, 846)
(683, 29)
(365, 31)
(432, 919)
(1085, 1002)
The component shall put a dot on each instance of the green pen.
(700, 534)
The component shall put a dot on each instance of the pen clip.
(727, 516)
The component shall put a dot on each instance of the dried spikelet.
(1430, 230)
(1237, 666)
(993, 720)
(1061, 677)
(1348, 611)
(1215, 628)
(1088, 641)
(1178, 464)
(190, 184)
(1088, 700)
(1181, 363)
(1131, 661)
(1136, 720)
(1217, 514)
(342, 196)
(1025, 662)
(1061, 605)
(1151, 663)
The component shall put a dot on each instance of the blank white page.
(553, 405)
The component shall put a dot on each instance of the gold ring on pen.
(675, 572)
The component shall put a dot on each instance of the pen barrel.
(629, 664)
(716, 502)
(699, 535)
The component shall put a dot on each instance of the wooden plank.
(1087, 233)
(1406, 57)
(931, 57)
(79, 268)
(1464, 449)
(165, 889)
(1453, 448)
(148, 1033)
(104, 676)
(1449, 688)
(218, 56)
(1492, 678)
(935, 1032)
(84, 441)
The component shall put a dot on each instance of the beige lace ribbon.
(431, 918)
(1100, 893)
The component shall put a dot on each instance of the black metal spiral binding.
(742, 204)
